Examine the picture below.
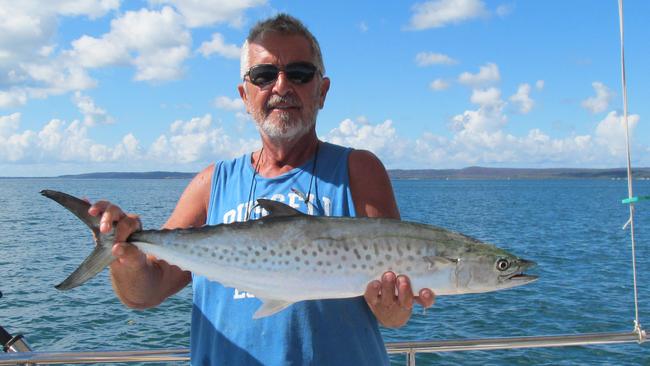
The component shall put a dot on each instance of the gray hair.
(283, 24)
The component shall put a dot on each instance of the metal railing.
(409, 348)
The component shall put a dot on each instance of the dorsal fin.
(277, 209)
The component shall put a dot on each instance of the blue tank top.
(315, 332)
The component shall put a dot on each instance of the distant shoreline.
(470, 173)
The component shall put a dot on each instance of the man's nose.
(282, 85)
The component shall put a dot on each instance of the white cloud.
(522, 98)
(439, 84)
(539, 84)
(381, 138)
(92, 113)
(13, 98)
(430, 58)
(439, 13)
(193, 141)
(9, 124)
(200, 13)
(223, 102)
(218, 45)
(197, 140)
(490, 97)
(600, 102)
(610, 132)
(487, 74)
(29, 65)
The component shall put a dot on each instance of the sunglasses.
(266, 74)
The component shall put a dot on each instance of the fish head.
(493, 271)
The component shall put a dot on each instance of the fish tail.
(101, 256)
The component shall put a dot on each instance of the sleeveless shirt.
(313, 332)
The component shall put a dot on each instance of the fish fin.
(270, 307)
(93, 264)
(277, 209)
(436, 263)
(75, 205)
(101, 256)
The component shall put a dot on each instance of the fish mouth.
(520, 276)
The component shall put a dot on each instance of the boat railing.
(409, 349)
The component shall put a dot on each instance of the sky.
(110, 85)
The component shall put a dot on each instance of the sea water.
(571, 228)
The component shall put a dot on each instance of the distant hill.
(473, 172)
(134, 175)
(476, 172)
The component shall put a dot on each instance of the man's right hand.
(112, 216)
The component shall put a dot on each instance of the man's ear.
(324, 88)
(242, 93)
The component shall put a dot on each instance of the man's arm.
(373, 197)
(142, 281)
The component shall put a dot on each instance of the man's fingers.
(127, 254)
(404, 292)
(372, 293)
(426, 298)
(388, 289)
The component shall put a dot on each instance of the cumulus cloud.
(193, 141)
(539, 84)
(29, 67)
(381, 138)
(438, 85)
(600, 102)
(430, 58)
(440, 13)
(92, 113)
(155, 42)
(610, 132)
(487, 74)
(218, 45)
(234, 104)
(522, 98)
(200, 13)
(197, 140)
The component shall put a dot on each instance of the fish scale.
(287, 256)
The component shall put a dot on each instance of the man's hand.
(390, 309)
(125, 224)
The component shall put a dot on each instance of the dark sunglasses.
(266, 74)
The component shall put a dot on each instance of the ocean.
(571, 228)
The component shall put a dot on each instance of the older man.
(283, 87)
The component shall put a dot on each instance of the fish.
(287, 256)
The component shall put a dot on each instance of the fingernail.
(389, 276)
(103, 227)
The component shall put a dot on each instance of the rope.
(630, 222)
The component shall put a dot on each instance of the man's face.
(283, 109)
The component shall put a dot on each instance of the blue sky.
(109, 85)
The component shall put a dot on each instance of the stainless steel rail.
(408, 348)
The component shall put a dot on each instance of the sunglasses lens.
(297, 73)
(301, 72)
(263, 74)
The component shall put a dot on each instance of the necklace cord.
(249, 204)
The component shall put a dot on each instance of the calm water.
(572, 229)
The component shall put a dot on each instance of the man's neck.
(279, 157)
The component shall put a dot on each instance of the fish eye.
(502, 264)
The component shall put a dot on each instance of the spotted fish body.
(287, 256)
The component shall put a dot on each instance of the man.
(283, 87)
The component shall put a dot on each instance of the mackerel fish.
(287, 256)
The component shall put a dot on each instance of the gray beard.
(286, 129)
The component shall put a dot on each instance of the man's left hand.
(391, 299)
